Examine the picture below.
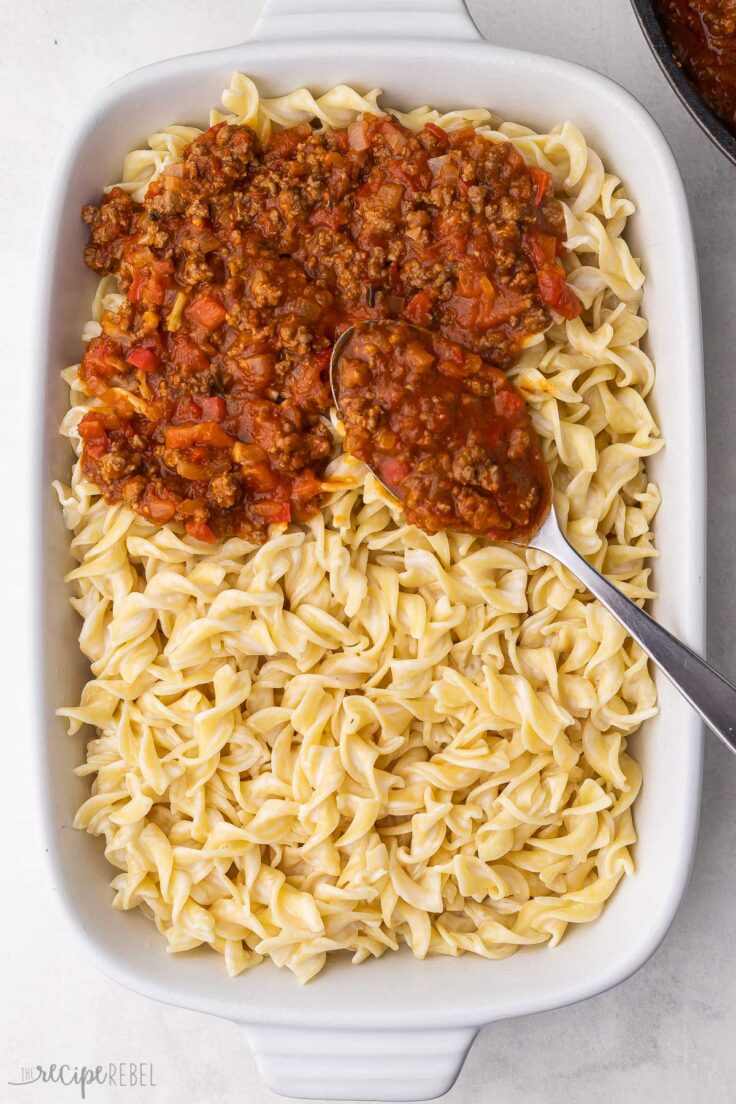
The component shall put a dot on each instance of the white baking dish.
(394, 1028)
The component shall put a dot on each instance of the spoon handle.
(708, 692)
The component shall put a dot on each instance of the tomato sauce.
(446, 432)
(244, 263)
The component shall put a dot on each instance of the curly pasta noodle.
(358, 735)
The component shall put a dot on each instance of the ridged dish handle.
(359, 1065)
(290, 20)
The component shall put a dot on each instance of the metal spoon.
(707, 692)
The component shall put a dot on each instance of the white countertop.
(666, 1035)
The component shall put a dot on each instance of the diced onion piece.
(394, 136)
(208, 242)
(417, 356)
(248, 454)
(160, 509)
(444, 168)
(436, 163)
(189, 470)
(358, 135)
(200, 530)
(487, 289)
(391, 194)
(206, 433)
(173, 321)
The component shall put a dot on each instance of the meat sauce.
(703, 37)
(446, 432)
(244, 263)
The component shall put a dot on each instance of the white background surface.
(666, 1035)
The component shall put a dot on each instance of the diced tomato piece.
(275, 513)
(438, 133)
(555, 291)
(187, 356)
(136, 287)
(92, 431)
(207, 312)
(160, 509)
(419, 308)
(143, 358)
(102, 358)
(91, 426)
(305, 485)
(200, 530)
(541, 249)
(542, 184)
(97, 448)
(508, 402)
(206, 433)
(188, 410)
(287, 141)
(162, 268)
(153, 292)
(213, 408)
(394, 470)
(413, 177)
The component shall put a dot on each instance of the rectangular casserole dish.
(396, 1028)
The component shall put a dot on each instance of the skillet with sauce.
(703, 38)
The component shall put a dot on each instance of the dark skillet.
(662, 50)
